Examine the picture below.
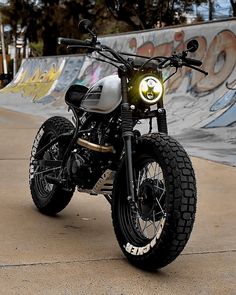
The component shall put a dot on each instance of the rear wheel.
(154, 231)
(49, 198)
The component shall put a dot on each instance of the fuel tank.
(103, 97)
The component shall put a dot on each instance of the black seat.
(75, 94)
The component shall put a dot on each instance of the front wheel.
(153, 231)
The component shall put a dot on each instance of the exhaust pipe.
(96, 147)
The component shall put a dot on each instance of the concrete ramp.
(40, 84)
(201, 110)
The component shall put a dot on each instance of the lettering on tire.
(34, 149)
(137, 251)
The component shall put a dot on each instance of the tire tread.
(60, 198)
(182, 202)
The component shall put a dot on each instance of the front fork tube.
(127, 134)
(127, 137)
(161, 118)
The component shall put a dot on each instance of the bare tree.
(233, 4)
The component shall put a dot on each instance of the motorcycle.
(147, 178)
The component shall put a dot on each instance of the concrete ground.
(77, 253)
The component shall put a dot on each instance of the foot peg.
(52, 180)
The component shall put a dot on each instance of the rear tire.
(155, 233)
(49, 198)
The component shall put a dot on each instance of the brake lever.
(163, 64)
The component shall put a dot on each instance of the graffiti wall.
(217, 50)
(201, 101)
(35, 77)
(190, 94)
(45, 79)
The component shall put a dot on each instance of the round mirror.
(192, 45)
(85, 26)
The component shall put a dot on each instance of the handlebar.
(174, 60)
(69, 41)
(191, 61)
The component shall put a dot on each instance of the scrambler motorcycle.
(148, 179)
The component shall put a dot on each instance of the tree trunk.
(233, 4)
(211, 9)
(50, 35)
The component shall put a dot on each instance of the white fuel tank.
(104, 96)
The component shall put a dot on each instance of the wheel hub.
(149, 193)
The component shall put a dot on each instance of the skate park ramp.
(40, 84)
(201, 110)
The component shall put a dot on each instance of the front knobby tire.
(155, 232)
(49, 198)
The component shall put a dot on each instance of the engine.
(96, 152)
(86, 167)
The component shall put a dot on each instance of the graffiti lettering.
(217, 50)
(219, 62)
(219, 59)
(218, 53)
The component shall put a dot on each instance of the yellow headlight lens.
(150, 89)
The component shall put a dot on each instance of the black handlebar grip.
(68, 41)
(194, 62)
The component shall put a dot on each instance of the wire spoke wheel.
(53, 153)
(150, 192)
(49, 198)
(153, 231)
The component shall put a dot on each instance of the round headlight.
(150, 89)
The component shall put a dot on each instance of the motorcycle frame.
(124, 71)
(127, 133)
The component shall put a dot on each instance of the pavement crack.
(13, 159)
(209, 252)
(3, 266)
(51, 263)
